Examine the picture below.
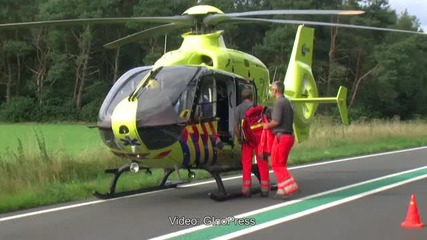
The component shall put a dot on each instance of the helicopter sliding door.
(209, 119)
(205, 109)
(218, 95)
(220, 106)
(225, 103)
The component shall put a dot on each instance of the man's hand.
(271, 124)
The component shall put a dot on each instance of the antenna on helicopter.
(166, 42)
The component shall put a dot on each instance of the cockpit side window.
(206, 101)
(243, 84)
(184, 103)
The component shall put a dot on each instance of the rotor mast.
(199, 14)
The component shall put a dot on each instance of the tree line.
(59, 73)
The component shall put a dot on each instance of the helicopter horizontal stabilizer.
(340, 99)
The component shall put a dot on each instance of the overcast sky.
(414, 7)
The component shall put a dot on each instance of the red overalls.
(279, 159)
(265, 143)
(247, 155)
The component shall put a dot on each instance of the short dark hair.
(246, 94)
(279, 85)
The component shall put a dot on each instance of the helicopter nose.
(134, 137)
(123, 123)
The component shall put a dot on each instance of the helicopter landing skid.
(164, 184)
(223, 195)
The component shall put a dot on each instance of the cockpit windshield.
(124, 86)
(166, 96)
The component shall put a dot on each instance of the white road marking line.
(316, 209)
(303, 213)
(314, 164)
(195, 184)
(75, 206)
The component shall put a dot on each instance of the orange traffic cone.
(412, 218)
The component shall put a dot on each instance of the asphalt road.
(368, 210)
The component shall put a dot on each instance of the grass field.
(43, 164)
(68, 138)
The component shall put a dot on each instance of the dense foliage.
(63, 73)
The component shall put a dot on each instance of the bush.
(19, 109)
(63, 112)
(362, 113)
(90, 111)
(25, 109)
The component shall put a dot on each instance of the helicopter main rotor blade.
(174, 19)
(296, 12)
(214, 19)
(143, 34)
(260, 20)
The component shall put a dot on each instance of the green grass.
(69, 138)
(59, 192)
(333, 140)
(42, 164)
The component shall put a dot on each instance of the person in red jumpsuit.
(281, 125)
(248, 150)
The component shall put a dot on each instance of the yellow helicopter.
(178, 113)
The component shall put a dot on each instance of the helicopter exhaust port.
(134, 167)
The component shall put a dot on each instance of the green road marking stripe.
(305, 205)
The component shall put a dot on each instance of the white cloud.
(417, 8)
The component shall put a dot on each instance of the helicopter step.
(223, 195)
(164, 184)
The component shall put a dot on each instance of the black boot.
(264, 194)
(246, 194)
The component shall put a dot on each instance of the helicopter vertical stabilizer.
(300, 86)
(299, 81)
